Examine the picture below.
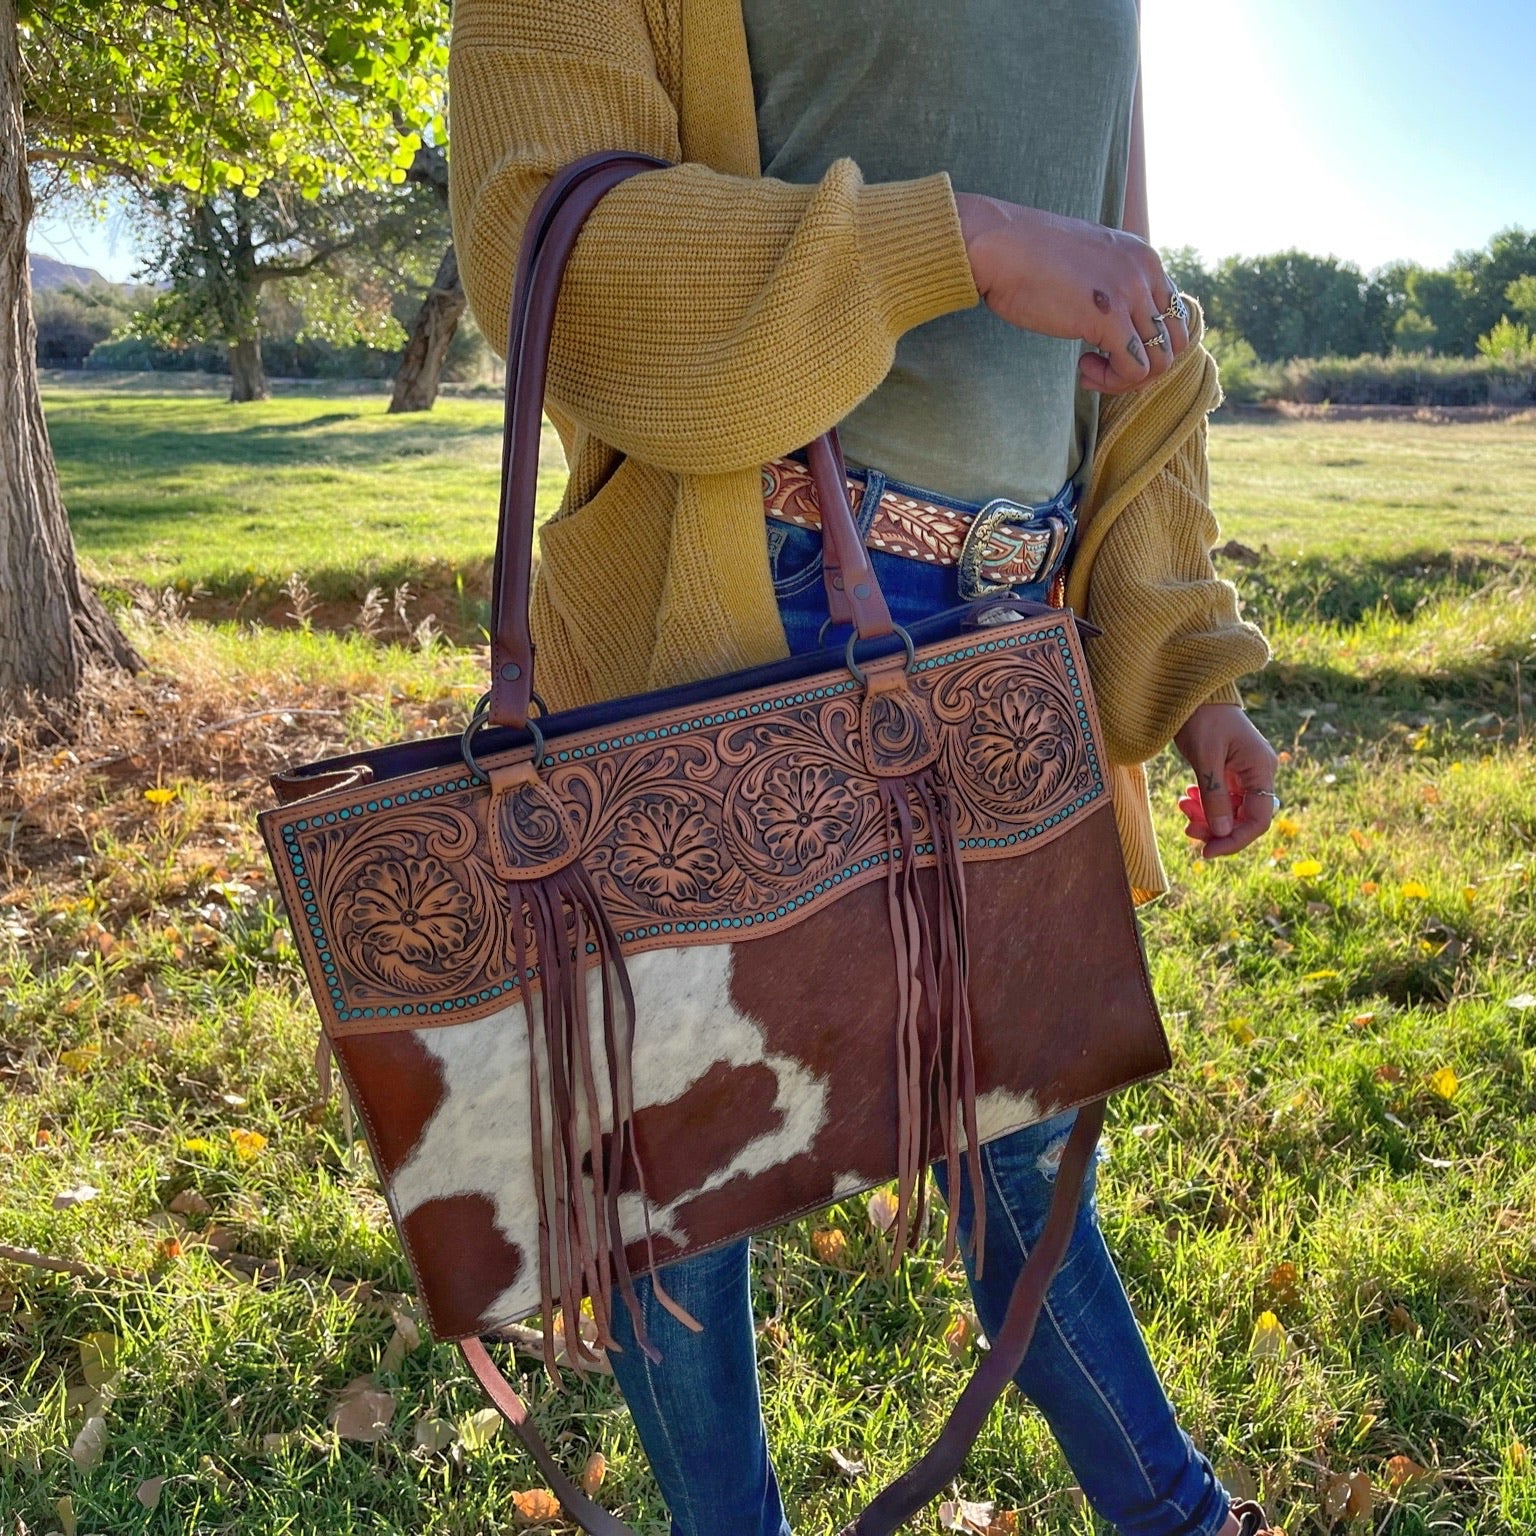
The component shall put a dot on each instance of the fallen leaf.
(1363, 1020)
(478, 1429)
(1335, 1499)
(1359, 839)
(434, 1435)
(394, 1352)
(408, 1328)
(536, 1506)
(1387, 1073)
(148, 1492)
(1269, 1341)
(1306, 869)
(830, 1245)
(98, 1359)
(1283, 1280)
(190, 1202)
(65, 1509)
(1430, 794)
(1404, 1472)
(90, 1445)
(80, 1058)
(1401, 1320)
(593, 1472)
(77, 1194)
(1444, 1083)
(1241, 1031)
(960, 1334)
(1361, 1499)
(882, 1210)
(850, 1468)
(963, 1515)
(1004, 1523)
(362, 1414)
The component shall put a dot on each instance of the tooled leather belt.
(1001, 546)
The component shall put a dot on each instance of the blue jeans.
(698, 1412)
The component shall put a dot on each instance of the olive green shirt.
(1025, 100)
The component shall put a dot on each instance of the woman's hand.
(1069, 278)
(1232, 800)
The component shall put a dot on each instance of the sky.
(1371, 130)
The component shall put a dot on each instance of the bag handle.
(927, 1478)
(552, 229)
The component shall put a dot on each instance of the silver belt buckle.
(974, 582)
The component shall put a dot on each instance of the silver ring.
(1267, 792)
(858, 672)
(1177, 309)
(1160, 340)
(481, 715)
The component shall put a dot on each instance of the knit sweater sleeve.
(707, 322)
(1173, 638)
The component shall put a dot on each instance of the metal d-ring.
(481, 715)
(858, 672)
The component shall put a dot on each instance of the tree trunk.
(51, 624)
(421, 368)
(247, 374)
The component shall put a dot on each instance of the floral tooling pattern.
(693, 828)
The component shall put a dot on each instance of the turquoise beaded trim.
(553, 757)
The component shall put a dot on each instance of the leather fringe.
(935, 1058)
(581, 1243)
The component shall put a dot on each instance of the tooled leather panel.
(697, 825)
(763, 1091)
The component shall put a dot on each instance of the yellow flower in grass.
(247, 1144)
(1306, 869)
(1444, 1083)
(1413, 890)
(1285, 826)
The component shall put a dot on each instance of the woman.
(810, 262)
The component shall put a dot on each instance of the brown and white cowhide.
(762, 1088)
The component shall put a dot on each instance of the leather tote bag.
(614, 985)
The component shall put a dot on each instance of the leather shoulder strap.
(552, 230)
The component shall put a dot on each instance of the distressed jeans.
(698, 1412)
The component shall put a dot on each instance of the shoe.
(1252, 1521)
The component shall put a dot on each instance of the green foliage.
(213, 97)
(71, 320)
(1404, 379)
(1309, 1157)
(1413, 332)
(1521, 294)
(1244, 379)
(1510, 343)
(1296, 305)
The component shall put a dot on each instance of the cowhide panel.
(742, 855)
(765, 1087)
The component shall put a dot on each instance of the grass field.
(1326, 1216)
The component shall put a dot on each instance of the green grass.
(152, 1005)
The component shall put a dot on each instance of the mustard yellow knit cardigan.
(712, 319)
